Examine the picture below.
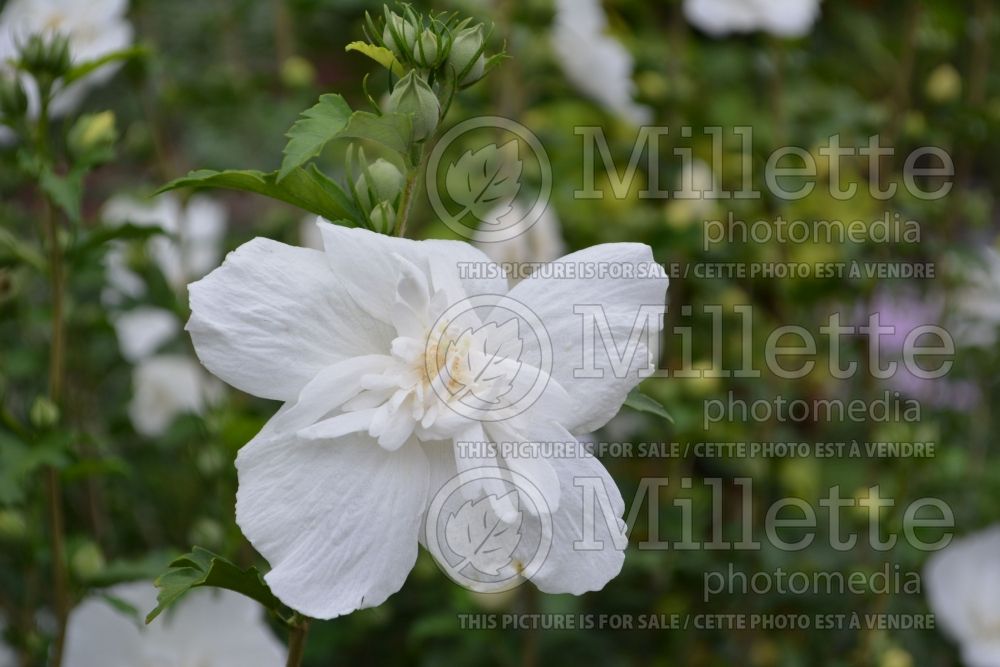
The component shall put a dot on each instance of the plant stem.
(297, 641)
(409, 189)
(56, 371)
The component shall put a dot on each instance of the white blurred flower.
(540, 242)
(142, 330)
(963, 590)
(333, 490)
(191, 247)
(94, 29)
(166, 386)
(596, 63)
(785, 18)
(8, 658)
(207, 628)
(977, 303)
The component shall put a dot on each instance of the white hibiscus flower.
(538, 242)
(8, 658)
(356, 341)
(976, 306)
(164, 385)
(208, 628)
(94, 29)
(785, 18)
(963, 589)
(599, 65)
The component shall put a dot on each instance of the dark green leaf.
(316, 127)
(306, 188)
(204, 568)
(391, 130)
(97, 238)
(643, 403)
(65, 191)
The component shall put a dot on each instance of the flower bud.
(382, 183)
(944, 84)
(13, 100)
(466, 57)
(92, 136)
(427, 50)
(44, 414)
(413, 96)
(87, 561)
(46, 57)
(297, 72)
(383, 218)
(13, 527)
(399, 35)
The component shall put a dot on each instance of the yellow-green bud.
(87, 561)
(383, 218)
(44, 413)
(399, 35)
(944, 84)
(413, 96)
(466, 57)
(382, 183)
(297, 72)
(92, 134)
(13, 527)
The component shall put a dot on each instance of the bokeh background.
(224, 81)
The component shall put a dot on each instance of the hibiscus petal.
(367, 263)
(583, 514)
(337, 520)
(273, 315)
(553, 297)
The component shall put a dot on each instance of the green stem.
(297, 641)
(409, 189)
(57, 347)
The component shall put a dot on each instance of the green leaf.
(21, 250)
(307, 188)
(316, 127)
(95, 240)
(204, 568)
(391, 130)
(85, 68)
(379, 54)
(19, 461)
(643, 403)
(66, 192)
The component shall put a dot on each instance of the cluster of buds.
(434, 55)
(377, 190)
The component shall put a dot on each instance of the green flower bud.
(413, 96)
(466, 57)
(944, 84)
(399, 35)
(87, 561)
(13, 100)
(382, 183)
(383, 218)
(44, 414)
(13, 527)
(297, 72)
(92, 136)
(427, 50)
(46, 57)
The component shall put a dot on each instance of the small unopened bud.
(399, 35)
(381, 181)
(93, 135)
(46, 57)
(297, 72)
(13, 100)
(383, 218)
(13, 527)
(427, 50)
(44, 414)
(466, 55)
(944, 84)
(87, 561)
(413, 96)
